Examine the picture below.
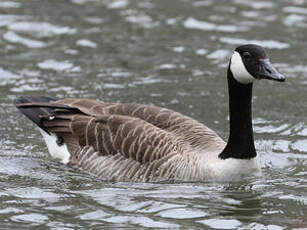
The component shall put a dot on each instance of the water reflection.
(9, 4)
(56, 65)
(265, 43)
(86, 43)
(192, 23)
(40, 29)
(30, 43)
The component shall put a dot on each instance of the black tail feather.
(34, 113)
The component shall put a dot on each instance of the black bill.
(267, 71)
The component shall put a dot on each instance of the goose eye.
(246, 55)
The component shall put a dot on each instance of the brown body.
(131, 142)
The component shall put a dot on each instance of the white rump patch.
(56, 151)
(238, 69)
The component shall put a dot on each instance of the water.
(167, 53)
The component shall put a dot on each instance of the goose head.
(250, 62)
(247, 63)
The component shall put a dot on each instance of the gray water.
(167, 53)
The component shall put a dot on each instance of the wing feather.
(108, 135)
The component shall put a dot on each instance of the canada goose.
(132, 142)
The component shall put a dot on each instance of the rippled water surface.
(167, 53)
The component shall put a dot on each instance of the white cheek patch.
(238, 69)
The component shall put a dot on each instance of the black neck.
(241, 140)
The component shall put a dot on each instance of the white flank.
(238, 69)
(232, 169)
(56, 151)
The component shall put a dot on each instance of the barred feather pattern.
(131, 142)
